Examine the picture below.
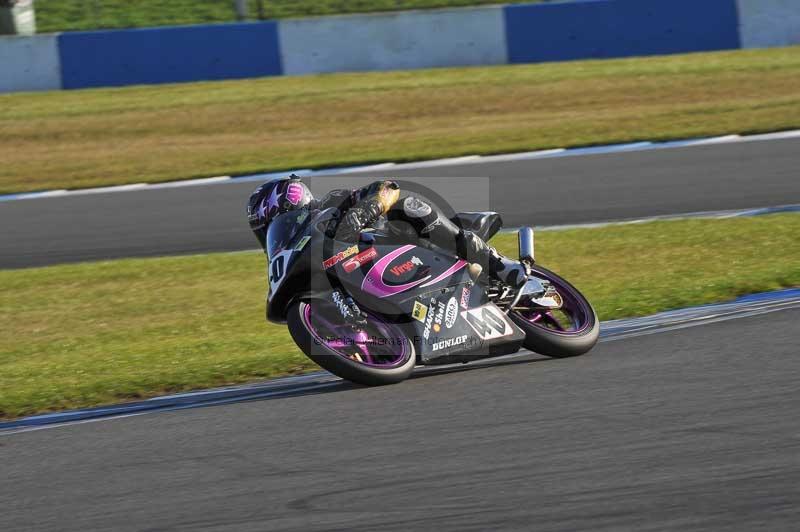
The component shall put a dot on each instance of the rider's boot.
(429, 222)
(476, 250)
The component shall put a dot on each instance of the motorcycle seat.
(484, 224)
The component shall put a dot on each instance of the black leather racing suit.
(415, 218)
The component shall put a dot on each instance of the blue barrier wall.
(520, 33)
(618, 28)
(167, 55)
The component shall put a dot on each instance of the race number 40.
(487, 322)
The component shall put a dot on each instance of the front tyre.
(568, 331)
(378, 354)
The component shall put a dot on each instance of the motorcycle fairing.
(408, 279)
(449, 334)
(393, 280)
(395, 271)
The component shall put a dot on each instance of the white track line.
(452, 161)
(733, 213)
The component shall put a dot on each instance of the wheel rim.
(377, 345)
(574, 316)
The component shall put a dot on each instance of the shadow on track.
(316, 383)
(336, 385)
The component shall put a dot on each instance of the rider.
(360, 208)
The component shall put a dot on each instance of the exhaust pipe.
(525, 235)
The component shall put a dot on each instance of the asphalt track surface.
(694, 429)
(588, 188)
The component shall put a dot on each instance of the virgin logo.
(403, 268)
(406, 266)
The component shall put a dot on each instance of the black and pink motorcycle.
(371, 311)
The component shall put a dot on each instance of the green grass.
(67, 15)
(75, 139)
(96, 333)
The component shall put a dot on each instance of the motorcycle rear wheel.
(379, 354)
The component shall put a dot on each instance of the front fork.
(532, 287)
(541, 293)
(526, 245)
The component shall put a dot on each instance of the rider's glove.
(358, 218)
(386, 192)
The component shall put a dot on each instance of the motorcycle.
(372, 310)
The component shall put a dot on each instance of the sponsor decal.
(488, 322)
(294, 193)
(406, 266)
(419, 312)
(339, 257)
(373, 282)
(465, 298)
(451, 313)
(303, 241)
(449, 342)
(402, 268)
(426, 333)
(302, 216)
(428, 228)
(438, 317)
(416, 208)
(340, 303)
(359, 260)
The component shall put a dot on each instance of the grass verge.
(67, 15)
(95, 333)
(74, 139)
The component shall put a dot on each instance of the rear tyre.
(379, 354)
(569, 331)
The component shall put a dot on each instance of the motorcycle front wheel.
(377, 354)
(570, 330)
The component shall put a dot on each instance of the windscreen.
(283, 231)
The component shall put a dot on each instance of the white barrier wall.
(492, 35)
(29, 63)
(765, 23)
(393, 41)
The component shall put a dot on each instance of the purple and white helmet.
(272, 199)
